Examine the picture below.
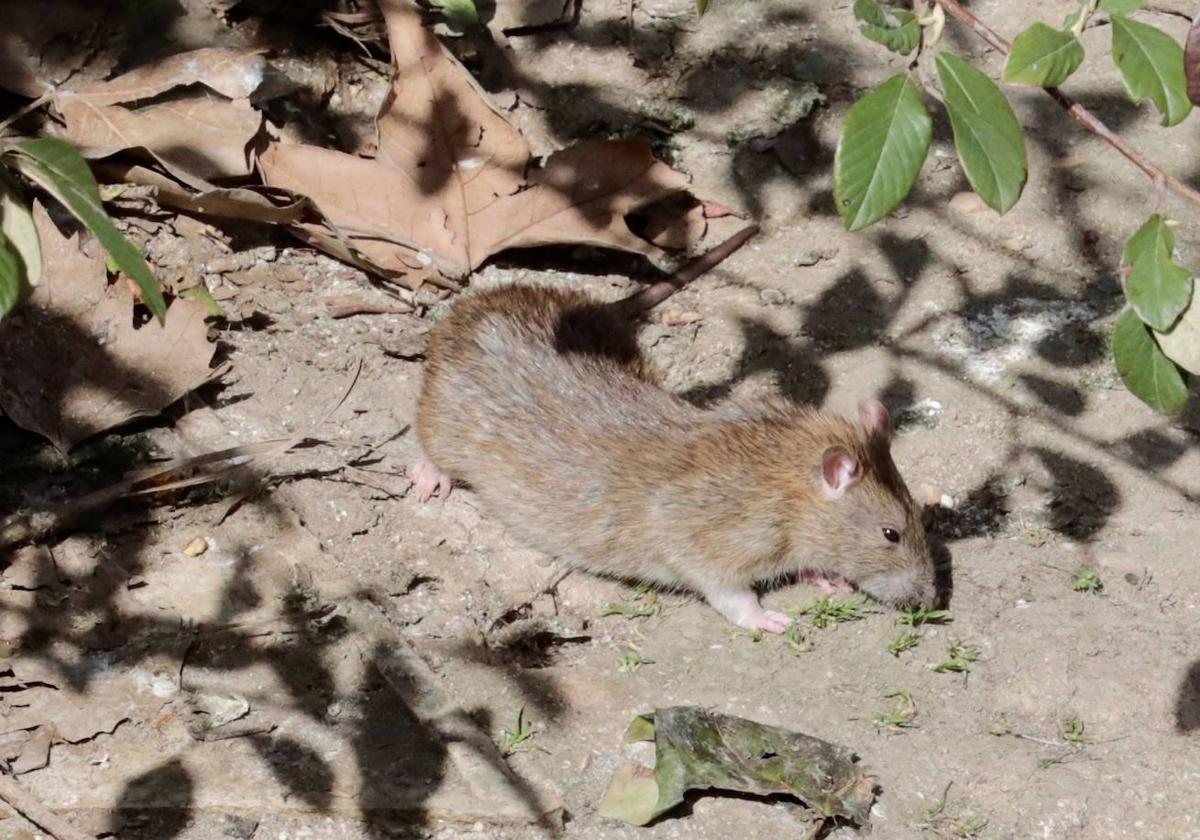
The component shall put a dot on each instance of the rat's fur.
(541, 402)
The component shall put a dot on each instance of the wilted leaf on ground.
(233, 73)
(193, 138)
(896, 29)
(257, 203)
(453, 182)
(696, 748)
(76, 365)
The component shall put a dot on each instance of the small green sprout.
(642, 602)
(632, 659)
(959, 658)
(936, 820)
(1086, 580)
(795, 639)
(917, 616)
(825, 612)
(520, 738)
(1072, 729)
(901, 715)
(757, 635)
(905, 641)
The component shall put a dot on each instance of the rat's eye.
(891, 535)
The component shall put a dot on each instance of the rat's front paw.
(768, 621)
(428, 481)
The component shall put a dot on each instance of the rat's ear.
(873, 417)
(839, 470)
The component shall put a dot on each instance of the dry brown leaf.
(233, 73)
(75, 364)
(194, 139)
(453, 181)
(260, 204)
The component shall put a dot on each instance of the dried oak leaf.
(233, 73)
(195, 138)
(75, 364)
(453, 181)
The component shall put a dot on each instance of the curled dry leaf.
(233, 73)
(76, 365)
(454, 183)
(195, 139)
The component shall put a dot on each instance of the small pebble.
(771, 297)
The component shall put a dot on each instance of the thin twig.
(1077, 112)
(655, 294)
(25, 804)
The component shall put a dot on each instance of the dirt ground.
(339, 658)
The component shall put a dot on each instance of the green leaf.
(896, 29)
(987, 135)
(204, 297)
(884, 142)
(1042, 57)
(12, 285)
(1144, 368)
(1151, 63)
(702, 7)
(55, 166)
(1157, 288)
(459, 15)
(16, 222)
(1120, 7)
(1182, 343)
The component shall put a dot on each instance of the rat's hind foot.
(428, 480)
(828, 584)
(742, 608)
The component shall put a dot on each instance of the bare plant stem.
(1076, 111)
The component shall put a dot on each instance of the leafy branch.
(888, 132)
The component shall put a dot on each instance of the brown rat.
(540, 401)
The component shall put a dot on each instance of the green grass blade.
(884, 141)
(55, 166)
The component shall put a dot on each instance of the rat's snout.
(907, 588)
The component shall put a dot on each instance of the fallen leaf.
(35, 753)
(454, 183)
(196, 547)
(233, 73)
(76, 365)
(257, 203)
(193, 139)
(697, 748)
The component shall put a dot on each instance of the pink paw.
(768, 621)
(828, 584)
(428, 480)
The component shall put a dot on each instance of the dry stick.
(1077, 112)
(27, 805)
(655, 294)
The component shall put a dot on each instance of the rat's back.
(539, 400)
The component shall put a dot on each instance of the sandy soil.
(372, 638)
